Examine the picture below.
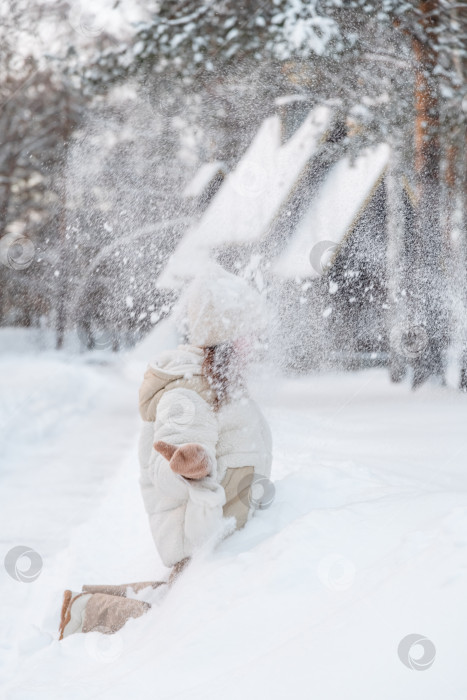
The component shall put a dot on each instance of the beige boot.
(85, 612)
(108, 613)
(72, 616)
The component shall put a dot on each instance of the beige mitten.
(190, 460)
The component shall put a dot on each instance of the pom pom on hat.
(219, 307)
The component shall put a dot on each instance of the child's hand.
(190, 460)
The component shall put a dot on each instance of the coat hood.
(182, 366)
(183, 361)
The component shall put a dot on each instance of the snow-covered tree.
(37, 111)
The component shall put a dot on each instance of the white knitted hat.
(219, 307)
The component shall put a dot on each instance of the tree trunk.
(395, 227)
(463, 258)
(63, 264)
(461, 201)
(427, 288)
(60, 318)
(5, 194)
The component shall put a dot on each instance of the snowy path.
(365, 543)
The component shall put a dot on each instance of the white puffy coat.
(184, 513)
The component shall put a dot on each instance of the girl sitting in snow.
(202, 444)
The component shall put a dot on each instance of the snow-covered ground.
(364, 544)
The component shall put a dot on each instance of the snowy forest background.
(108, 110)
